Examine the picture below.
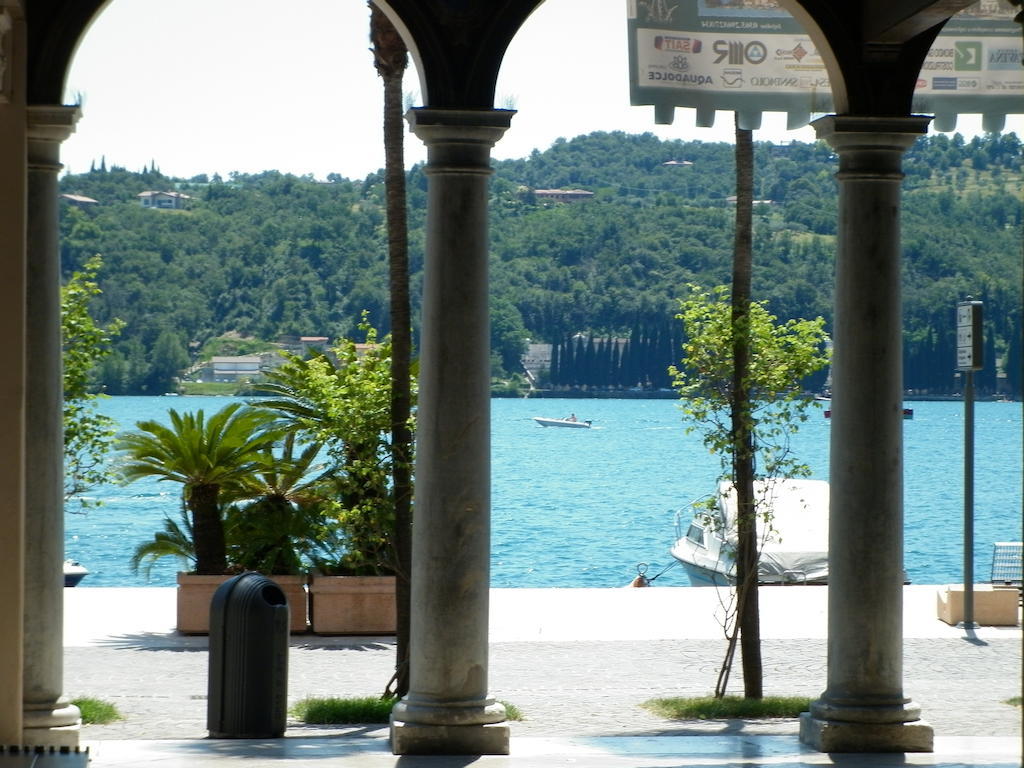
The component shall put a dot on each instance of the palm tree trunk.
(207, 529)
(391, 58)
(742, 424)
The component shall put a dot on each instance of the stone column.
(12, 378)
(863, 708)
(448, 710)
(48, 717)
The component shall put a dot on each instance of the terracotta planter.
(353, 605)
(195, 593)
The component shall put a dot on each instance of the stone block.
(353, 605)
(840, 736)
(195, 592)
(418, 739)
(993, 606)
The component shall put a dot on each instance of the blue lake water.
(581, 508)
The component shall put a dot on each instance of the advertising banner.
(752, 56)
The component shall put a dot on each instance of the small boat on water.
(74, 572)
(794, 545)
(571, 422)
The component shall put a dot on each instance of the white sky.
(264, 85)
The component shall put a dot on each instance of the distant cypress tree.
(622, 374)
(554, 370)
(604, 363)
(567, 369)
(590, 375)
(987, 375)
(1014, 357)
(580, 358)
(613, 365)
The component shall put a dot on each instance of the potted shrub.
(214, 460)
(344, 404)
(269, 528)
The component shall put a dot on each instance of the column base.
(843, 736)
(58, 727)
(419, 739)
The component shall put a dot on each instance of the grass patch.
(208, 388)
(1013, 702)
(512, 712)
(710, 708)
(335, 710)
(97, 711)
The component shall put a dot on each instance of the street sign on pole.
(968, 360)
(969, 336)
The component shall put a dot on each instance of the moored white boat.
(794, 544)
(571, 422)
(74, 572)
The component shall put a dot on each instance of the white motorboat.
(794, 544)
(74, 572)
(571, 421)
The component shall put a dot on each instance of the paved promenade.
(578, 663)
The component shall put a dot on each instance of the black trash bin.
(248, 686)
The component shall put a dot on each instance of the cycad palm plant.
(175, 540)
(210, 458)
(279, 524)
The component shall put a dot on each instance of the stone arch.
(55, 28)
(457, 52)
(873, 59)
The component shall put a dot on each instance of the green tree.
(781, 356)
(211, 458)
(346, 406)
(168, 359)
(88, 434)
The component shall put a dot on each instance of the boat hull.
(74, 573)
(561, 423)
(706, 544)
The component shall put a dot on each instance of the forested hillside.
(260, 256)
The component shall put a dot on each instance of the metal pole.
(969, 500)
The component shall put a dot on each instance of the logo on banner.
(680, 63)
(967, 56)
(737, 53)
(1004, 58)
(732, 78)
(680, 44)
(796, 53)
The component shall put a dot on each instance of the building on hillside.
(163, 200)
(537, 358)
(231, 368)
(303, 345)
(318, 343)
(563, 195)
(731, 200)
(79, 201)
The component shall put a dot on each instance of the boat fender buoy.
(641, 579)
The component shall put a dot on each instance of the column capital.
(52, 122)
(871, 146)
(459, 139)
(48, 125)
